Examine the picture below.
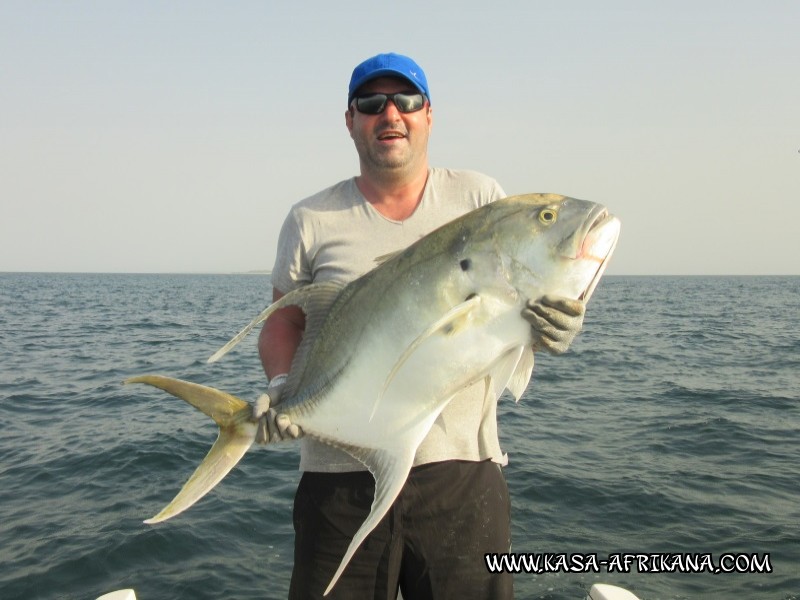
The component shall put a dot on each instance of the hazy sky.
(174, 136)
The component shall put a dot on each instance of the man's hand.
(272, 425)
(555, 321)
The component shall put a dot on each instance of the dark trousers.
(430, 545)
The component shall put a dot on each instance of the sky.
(146, 136)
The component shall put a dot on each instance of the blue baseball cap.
(388, 65)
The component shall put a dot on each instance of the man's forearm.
(280, 337)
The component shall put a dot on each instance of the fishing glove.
(272, 425)
(555, 321)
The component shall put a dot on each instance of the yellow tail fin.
(236, 434)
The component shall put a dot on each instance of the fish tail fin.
(236, 435)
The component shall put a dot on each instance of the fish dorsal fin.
(384, 258)
(390, 468)
(316, 305)
(450, 323)
(310, 298)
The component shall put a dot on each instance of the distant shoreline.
(135, 272)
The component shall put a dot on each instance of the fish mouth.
(598, 246)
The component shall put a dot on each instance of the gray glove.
(555, 321)
(272, 425)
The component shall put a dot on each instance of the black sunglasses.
(374, 104)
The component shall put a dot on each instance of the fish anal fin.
(390, 470)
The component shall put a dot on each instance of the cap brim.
(388, 72)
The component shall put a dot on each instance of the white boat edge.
(605, 591)
(119, 595)
(599, 591)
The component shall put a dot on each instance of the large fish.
(384, 354)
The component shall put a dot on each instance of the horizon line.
(269, 272)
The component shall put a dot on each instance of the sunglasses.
(374, 104)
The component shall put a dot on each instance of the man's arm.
(279, 339)
(280, 336)
(555, 321)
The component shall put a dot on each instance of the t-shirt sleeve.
(496, 191)
(292, 269)
(482, 188)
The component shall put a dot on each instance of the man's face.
(391, 139)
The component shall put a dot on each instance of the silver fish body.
(383, 355)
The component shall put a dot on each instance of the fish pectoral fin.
(449, 324)
(390, 469)
(313, 299)
(236, 434)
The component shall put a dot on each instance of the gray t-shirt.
(337, 235)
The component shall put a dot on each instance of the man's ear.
(348, 119)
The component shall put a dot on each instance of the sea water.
(670, 428)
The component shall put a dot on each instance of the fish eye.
(548, 216)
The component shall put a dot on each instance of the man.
(454, 507)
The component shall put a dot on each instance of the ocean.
(670, 430)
